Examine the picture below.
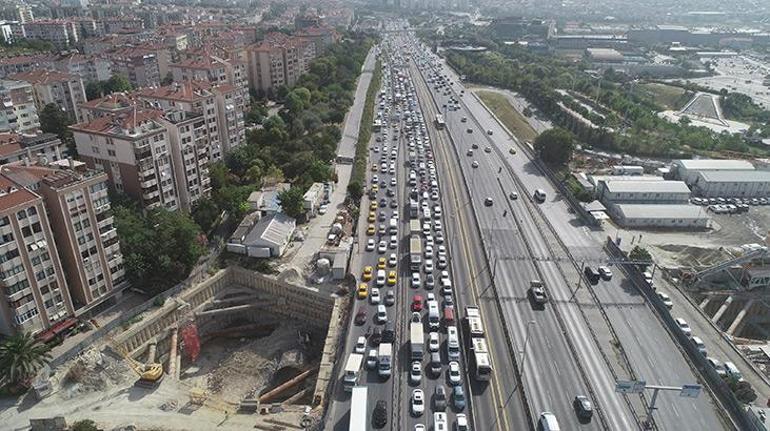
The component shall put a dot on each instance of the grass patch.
(668, 96)
(358, 176)
(513, 120)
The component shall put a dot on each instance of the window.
(21, 215)
(31, 211)
(111, 153)
(95, 150)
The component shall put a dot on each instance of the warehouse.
(660, 216)
(688, 170)
(643, 192)
(732, 184)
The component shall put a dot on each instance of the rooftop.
(647, 187)
(734, 176)
(710, 164)
(653, 211)
(273, 229)
(186, 91)
(131, 123)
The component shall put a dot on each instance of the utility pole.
(638, 387)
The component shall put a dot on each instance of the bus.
(474, 325)
(358, 417)
(480, 363)
(440, 123)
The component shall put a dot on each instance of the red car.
(361, 316)
(417, 303)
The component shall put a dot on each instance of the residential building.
(25, 63)
(279, 60)
(62, 34)
(83, 227)
(732, 184)
(111, 104)
(43, 148)
(34, 290)
(230, 116)
(642, 192)
(687, 170)
(134, 149)
(139, 66)
(19, 113)
(320, 37)
(198, 97)
(62, 89)
(88, 67)
(674, 216)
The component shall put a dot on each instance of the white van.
(733, 371)
(433, 316)
(699, 345)
(440, 422)
(381, 277)
(452, 343)
(548, 422)
(539, 195)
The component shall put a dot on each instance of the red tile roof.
(43, 76)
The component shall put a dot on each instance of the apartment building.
(278, 60)
(62, 34)
(133, 148)
(138, 65)
(19, 113)
(34, 290)
(44, 148)
(213, 69)
(230, 110)
(111, 104)
(82, 225)
(62, 89)
(202, 98)
(321, 37)
(88, 67)
(25, 63)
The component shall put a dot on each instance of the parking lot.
(739, 74)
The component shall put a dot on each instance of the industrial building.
(269, 237)
(687, 170)
(732, 184)
(642, 192)
(660, 216)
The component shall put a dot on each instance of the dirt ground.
(684, 248)
(236, 368)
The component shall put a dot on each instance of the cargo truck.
(417, 340)
(385, 360)
(358, 409)
(352, 371)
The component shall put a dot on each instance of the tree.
(205, 213)
(54, 120)
(355, 191)
(640, 254)
(555, 146)
(743, 391)
(293, 201)
(85, 425)
(119, 83)
(94, 90)
(21, 356)
(167, 80)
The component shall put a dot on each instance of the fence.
(198, 273)
(718, 386)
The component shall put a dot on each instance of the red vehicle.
(361, 316)
(417, 303)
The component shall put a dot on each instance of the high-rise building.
(82, 224)
(134, 149)
(61, 33)
(139, 66)
(43, 148)
(34, 290)
(19, 113)
(62, 89)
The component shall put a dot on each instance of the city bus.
(440, 123)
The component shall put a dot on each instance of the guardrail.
(716, 384)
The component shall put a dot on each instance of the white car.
(428, 252)
(392, 182)
(437, 212)
(382, 314)
(428, 266)
(442, 250)
(684, 326)
(437, 226)
(371, 359)
(415, 372)
(418, 404)
(416, 281)
(442, 262)
(382, 247)
(370, 245)
(666, 300)
(392, 260)
(374, 295)
(454, 373)
(360, 346)
(444, 275)
(393, 242)
(433, 341)
(461, 422)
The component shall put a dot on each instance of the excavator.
(150, 375)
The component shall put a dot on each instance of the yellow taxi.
(381, 263)
(375, 188)
(372, 217)
(375, 167)
(363, 291)
(367, 275)
(391, 278)
(373, 206)
(370, 230)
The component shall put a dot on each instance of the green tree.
(21, 356)
(54, 120)
(85, 425)
(743, 391)
(640, 254)
(355, 191)
(118, 83)
(292, 201)
(205, 213)
(94, 90)
(168, 79)
(555, 146)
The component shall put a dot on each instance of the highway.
(653, 354)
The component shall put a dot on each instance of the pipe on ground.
(269, 395)
(171, 371)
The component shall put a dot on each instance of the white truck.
(352, 371)
(385, 360)
(358, 409)
(417, 340)
(415, 253)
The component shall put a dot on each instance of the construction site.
(239, 350)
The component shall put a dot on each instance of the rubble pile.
(93, 371)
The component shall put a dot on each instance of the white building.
(660, 216)
(269, 237)
(740, 184)
(687, 170)
(643, 192)
(313, 198)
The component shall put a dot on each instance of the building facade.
(642, 192)
(19, 113)
(61, 33)
(62, 89)
(139, 66)
(687, 170)
(732, 184)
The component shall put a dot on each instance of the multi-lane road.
(497, 244)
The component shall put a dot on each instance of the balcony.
(149, 183)
(18, 295)
(118, 275)
(109, 235)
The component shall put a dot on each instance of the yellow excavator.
(150, 375)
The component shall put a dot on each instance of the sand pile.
(686, 256)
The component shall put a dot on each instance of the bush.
(85, 425)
